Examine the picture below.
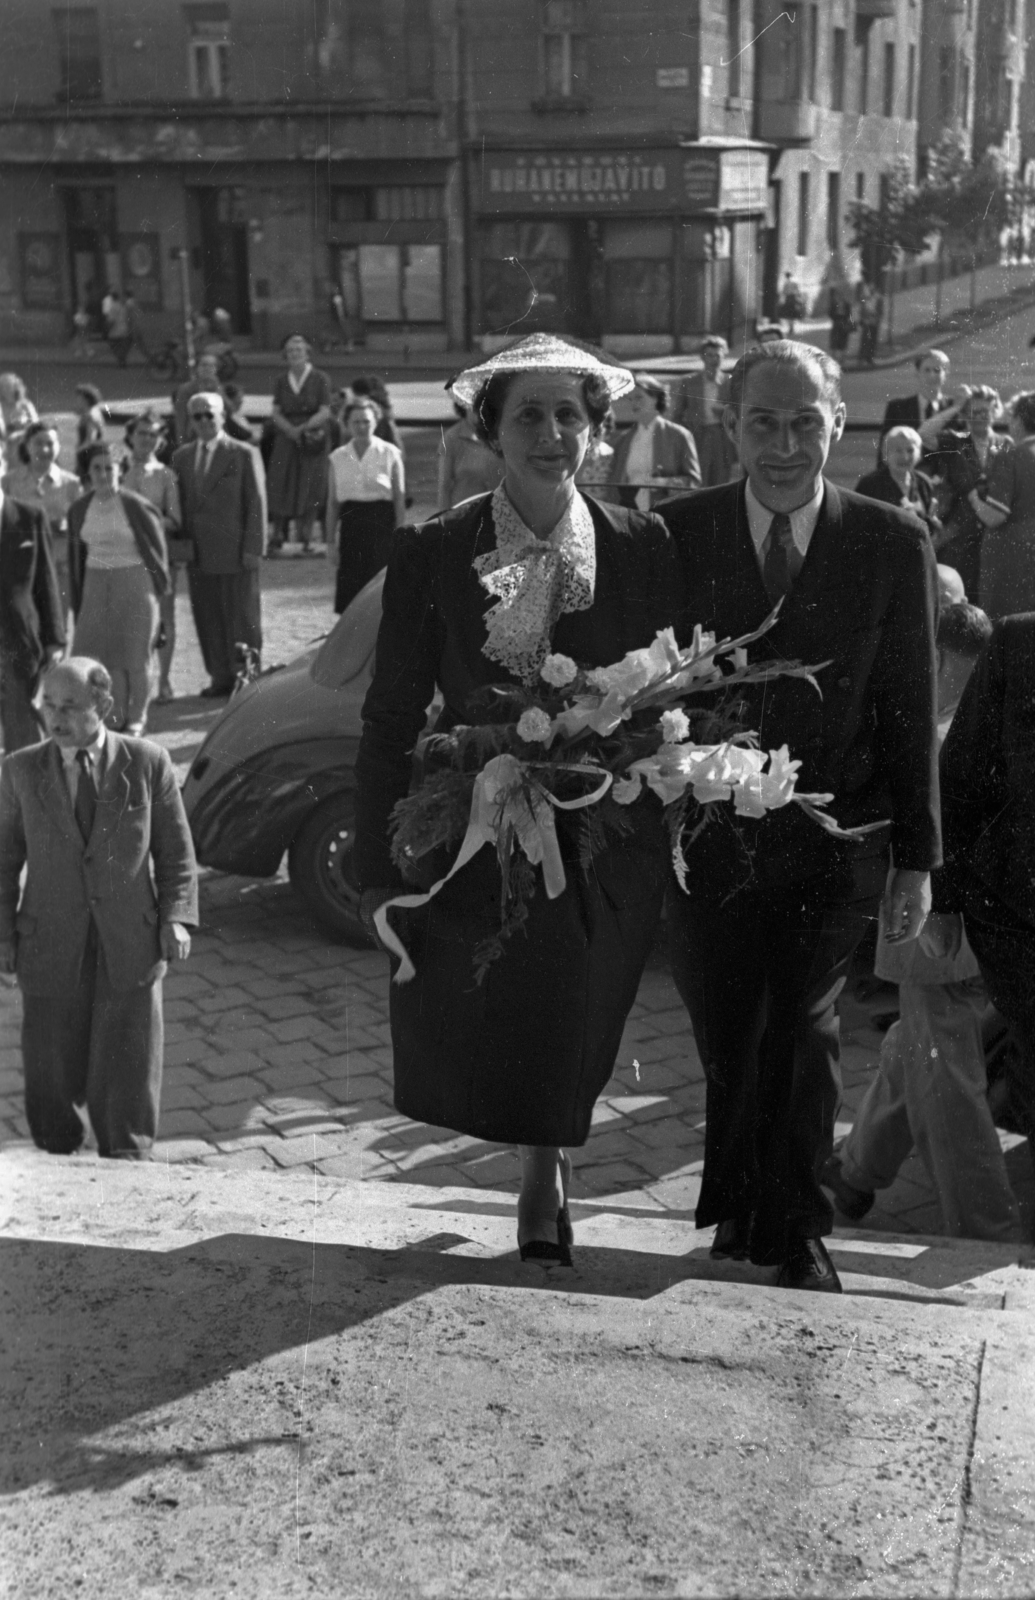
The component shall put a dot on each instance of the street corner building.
(423, 175)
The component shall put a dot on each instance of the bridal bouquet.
(663, 719)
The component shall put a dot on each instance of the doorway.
(221, 257)
(95, 266)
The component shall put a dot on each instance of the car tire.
(319, 867)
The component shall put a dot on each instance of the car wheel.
(320, 863)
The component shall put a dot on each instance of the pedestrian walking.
(37, 479)
(871, 310)
(366, 502)
(32, 618)
(966, 464)
(698, 404)
(298, 462)
(120, 336)
(89, 429)
(16, 409)
(147, 476)
(96, 823)
(521, 1058)
(842, 320)
(119, 570)
(655, 458)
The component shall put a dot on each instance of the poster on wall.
(142, 269)
(40, 258)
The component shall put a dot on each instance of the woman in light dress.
(36, 479)
(145, 475)
(119, 570)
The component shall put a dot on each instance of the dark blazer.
(225, 513)
(987, 772)
(908, 411)
(136, 871)
(432, 632)
(862, 610)
(148, 531)
(880, 485)
(31, 614)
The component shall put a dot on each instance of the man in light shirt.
(761, 945)
(95, 820)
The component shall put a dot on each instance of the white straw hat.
(542, 352)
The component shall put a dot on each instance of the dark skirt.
(521, 1058)
(365, 530)
(296, 484)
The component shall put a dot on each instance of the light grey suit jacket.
(136, 871)
(225, 511)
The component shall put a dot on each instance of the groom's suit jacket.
(864, 604)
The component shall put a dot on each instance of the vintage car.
(276, 771)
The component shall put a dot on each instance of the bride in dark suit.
(478, 596)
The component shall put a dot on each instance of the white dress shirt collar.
(95, 750)
(803, 519)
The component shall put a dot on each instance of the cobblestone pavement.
(278, 1056)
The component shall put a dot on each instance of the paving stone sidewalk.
(278, 1056)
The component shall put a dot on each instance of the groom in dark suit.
(761, 945)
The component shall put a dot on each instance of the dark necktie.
(85, 795)
(781, 562)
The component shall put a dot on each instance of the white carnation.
(675, 726)
(534, 726)
(558, 671)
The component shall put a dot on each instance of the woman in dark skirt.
(366, 502)
(297, 473)
(479, 596)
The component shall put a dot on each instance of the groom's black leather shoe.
(731, 1240)
(808, 1266)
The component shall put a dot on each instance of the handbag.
(313, 442)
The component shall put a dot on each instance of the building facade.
(1001, 61)
(263, 157)
(948, 77)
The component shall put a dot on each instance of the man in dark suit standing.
(32, 627)
(930, 409)
(223, 497)
(96, 821)
(762, 942)
(989, 818)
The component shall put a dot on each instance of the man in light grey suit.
(223, 497)
(96, 820)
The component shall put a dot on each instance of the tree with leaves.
(886, 234)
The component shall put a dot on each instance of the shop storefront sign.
(609, 181)
(39, 257)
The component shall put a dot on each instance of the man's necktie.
(781, 562)
(85, 795)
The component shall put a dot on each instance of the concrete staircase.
(274, 1386)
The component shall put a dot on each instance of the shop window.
(352, 205)
(526, 272)
(208, 51)
(391, 282)
(408, 202)
(79, 53)
(889, 79)
(419, 49)
(837, 71)
(638, 277)
(563, 49)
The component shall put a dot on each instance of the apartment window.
(834, 210)
(79, 53)
(863, 41)
(419, 49)
(733, 47)
(787, 53)
(860, 186)
(910, 83)
(837, 72)
(803, 213)
(366, 45)
(889, 80)
(947, 82)
(813, 50)
(965, 94)
(208, 51)
(563, 49)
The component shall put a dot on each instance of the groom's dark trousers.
(762, 942)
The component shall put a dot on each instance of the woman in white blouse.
(146, 476)
(366, 501)
(118, 569)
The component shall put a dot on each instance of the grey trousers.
(930, 1091)
(227, 611)
(99, 1046)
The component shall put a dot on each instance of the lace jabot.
(535, 581)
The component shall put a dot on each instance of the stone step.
(230, 1382)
